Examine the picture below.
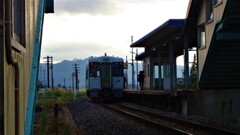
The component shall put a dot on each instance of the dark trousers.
(141, 85)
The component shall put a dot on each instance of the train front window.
(94, 69)
(117, 69)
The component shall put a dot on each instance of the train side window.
(19, 24)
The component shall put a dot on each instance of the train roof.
(106, 59)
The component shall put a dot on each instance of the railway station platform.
(214, 104)
(155, 99)
(147, 92)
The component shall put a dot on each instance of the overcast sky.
(82, 28)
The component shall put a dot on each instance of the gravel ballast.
(94, 119)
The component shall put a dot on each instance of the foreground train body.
(104, 77)
(20, 42)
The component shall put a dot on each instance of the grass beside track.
(58, 96)
(46, 120)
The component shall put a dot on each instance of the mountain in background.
(62, 72)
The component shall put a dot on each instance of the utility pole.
(73, 75)
(64, 82)
(133, 84)
(137, 66)
(76, 76)
(52, 71)
(126, 73)
(47, 70)
(49, 66)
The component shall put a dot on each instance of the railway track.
(167, 123)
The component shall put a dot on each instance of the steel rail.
(154, 124)
(209, 128)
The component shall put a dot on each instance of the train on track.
(104, 77)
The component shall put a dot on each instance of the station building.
(212, 27)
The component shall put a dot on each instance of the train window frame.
(18, 40)
(93, 71)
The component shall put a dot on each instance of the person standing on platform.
(141, 79)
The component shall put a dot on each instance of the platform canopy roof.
(158, 40)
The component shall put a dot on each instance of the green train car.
(20, 45)
(104, 77)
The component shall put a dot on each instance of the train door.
(106, 75)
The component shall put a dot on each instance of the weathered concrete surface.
(215, 104)
(220, 105)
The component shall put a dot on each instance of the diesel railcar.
(104, 77)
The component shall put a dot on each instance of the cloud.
(81, 50)
(92, 7)
(96, 7)
(139, 1)
(83, 28)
